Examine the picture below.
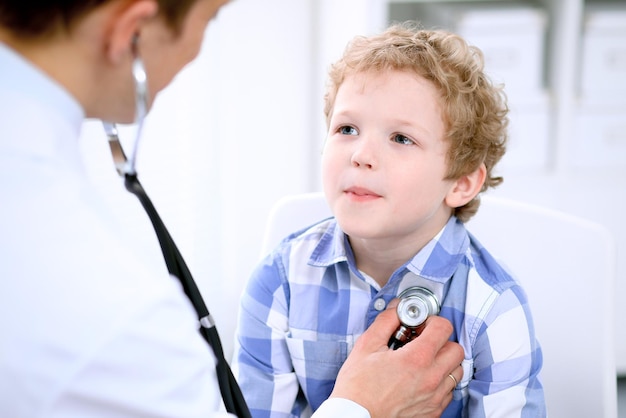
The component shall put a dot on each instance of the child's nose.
(365, 153)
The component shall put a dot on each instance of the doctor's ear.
(466, 187)
(125, 24)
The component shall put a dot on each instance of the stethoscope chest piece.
(416, 304)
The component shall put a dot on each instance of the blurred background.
(242, 126)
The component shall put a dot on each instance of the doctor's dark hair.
(39, 18)
(474, 109)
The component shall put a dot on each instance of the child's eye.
(347, 130)
(401, 139)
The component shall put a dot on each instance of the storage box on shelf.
(600, 119)
(600, 136)
(529, 140)
(511, 36)
(603, 66)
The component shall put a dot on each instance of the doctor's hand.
(412, 381)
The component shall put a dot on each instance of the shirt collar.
(25, 79)
(331, 247)
(437, 261)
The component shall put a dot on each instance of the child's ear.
(466, 187)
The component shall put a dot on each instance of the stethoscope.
(231, 393)
(416, 304)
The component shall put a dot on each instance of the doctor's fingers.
(451, 381)
(449, 358)
(434, 336)
(376, 337)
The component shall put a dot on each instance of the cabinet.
(571, 136)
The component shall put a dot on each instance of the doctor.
(89, 328)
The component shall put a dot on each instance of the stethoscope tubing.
(231, 392)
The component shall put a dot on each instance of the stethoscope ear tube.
(231, 393)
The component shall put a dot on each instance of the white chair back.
(567, 267)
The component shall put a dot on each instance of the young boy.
(414, 131)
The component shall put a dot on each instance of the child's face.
(384, 161)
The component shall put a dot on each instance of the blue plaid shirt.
(306, 304)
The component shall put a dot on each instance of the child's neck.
(380, 262)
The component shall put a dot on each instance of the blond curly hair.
(475, 110)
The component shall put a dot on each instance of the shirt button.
(379, 304)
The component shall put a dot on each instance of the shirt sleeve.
(154, 364)
(507, 361)
(338, 407)
(262, 362)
